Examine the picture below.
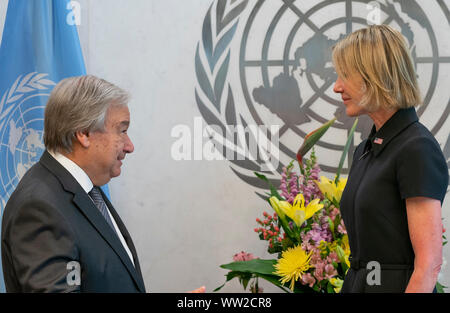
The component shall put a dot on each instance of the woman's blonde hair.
(379, 55)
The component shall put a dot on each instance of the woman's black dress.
(400, 161)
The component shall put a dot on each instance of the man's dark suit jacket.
(50, 221)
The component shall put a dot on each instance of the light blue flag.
(40, 47)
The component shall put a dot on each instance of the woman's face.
(352, 91)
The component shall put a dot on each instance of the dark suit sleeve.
(39, 246)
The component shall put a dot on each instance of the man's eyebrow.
(124, 123)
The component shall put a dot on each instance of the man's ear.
(83, 138)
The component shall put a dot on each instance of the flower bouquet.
(305, 231)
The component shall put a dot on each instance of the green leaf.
(274, 280)
(335, 202)
(244, 280)
(440, 288)
(229, 277)
(260, 268)
(273, 190)
(311, 139)
(331, 224)
(330, 288)
(246, 270)
(220, 287)
(255, 266)
(285, 225)
(344, 153)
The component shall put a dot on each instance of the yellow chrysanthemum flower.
(293, 264)
(330, 190)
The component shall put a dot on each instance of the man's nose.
(129, 147)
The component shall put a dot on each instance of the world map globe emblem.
(21, 131)
(291, 76)
(275, 69)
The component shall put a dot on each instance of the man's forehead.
(118, 115)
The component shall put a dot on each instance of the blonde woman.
(391, 205)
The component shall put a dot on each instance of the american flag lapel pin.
(378, 141)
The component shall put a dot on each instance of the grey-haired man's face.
(110, 146)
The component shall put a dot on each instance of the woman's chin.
(351, 113)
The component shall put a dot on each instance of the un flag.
(40, 47)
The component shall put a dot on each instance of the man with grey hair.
(59, 231)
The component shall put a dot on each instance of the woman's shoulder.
(421, 168)
(416, 138)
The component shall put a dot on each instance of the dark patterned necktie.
(96, 196)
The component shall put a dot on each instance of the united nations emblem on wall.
(269, 63)
(21, 129)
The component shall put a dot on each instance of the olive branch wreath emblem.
(218, 109)
(23, 85)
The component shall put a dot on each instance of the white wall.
(186, 217)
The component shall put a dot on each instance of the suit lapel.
(93, 215)
(127, 238)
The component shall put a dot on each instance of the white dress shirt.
(85, 182)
